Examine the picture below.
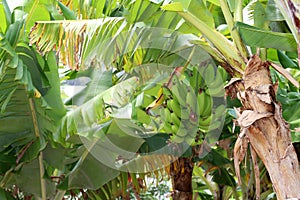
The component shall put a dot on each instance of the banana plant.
(77, 44)
(260, 138)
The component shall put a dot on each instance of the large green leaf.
(91, 112)
(101, 148)
(98, 82)
(290, 12)
(216, 39)
(31, 107)
(29, 182)
(90, 173)
(256, 37)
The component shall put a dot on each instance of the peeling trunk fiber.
(268, 133)
(181, 172)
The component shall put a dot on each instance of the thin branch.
(20, 156)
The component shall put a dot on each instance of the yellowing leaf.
(176, 6)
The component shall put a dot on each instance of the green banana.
(182, 132)
(201, 102)
(219, 111)
(185, 113)
(167, 127)
(208, 105)
(190, 140)
(205, 123)
(216, 88)
(167, 115)
(179, 91)
(216, 91)
(209, 74)
(223, 73)
(175, 129)
(175, 119)
(191, 101)
(218, 81)
(175, 107)
(215, 124)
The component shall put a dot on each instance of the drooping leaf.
(289, 11)
(285, 61)
(28, 115)
(256, 37)
(84, 116)
(90, 174)
(28, 179)
(223, 177)
(82, 36)
(7, 11)
(68, 14)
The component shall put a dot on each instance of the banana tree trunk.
(262, 125)
(181, 173)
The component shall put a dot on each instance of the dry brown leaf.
(256, 173)
(239, 152)
(248, 117)
(263, 93)
(233, 87)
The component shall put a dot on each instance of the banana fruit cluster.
(188, 105)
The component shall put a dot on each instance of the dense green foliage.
(100, 142)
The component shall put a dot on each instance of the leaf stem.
(35, 4)
(37, 134)
(222, 44)
(234, 32)
(238, 15)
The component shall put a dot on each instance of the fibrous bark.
(262, 125)
(181, 173)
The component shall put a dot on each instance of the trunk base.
(181, 173)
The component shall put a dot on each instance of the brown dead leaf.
(256, 173)
(263, 93)
(248, 117)
(239, 152)
(234, 86)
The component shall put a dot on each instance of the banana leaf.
(256, 37)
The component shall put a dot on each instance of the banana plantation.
(149, 99)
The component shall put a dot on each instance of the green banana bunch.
(180, 104)
(187, 108)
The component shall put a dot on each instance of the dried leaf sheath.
(269, 135)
